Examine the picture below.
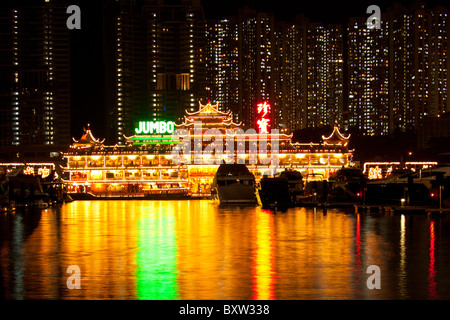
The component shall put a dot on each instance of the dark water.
(197, 250)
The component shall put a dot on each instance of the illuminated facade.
(42, 170)
(368, 77)
(398, 75)
(145, 164)
(257, 54)
(34, 69)
(401, 82)
(431, 63)
(159, 63)
(290, 85)
(222, 63)
(381, 170)
(325, 70)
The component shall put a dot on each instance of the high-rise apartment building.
(167, 57)
(325, 72)
(431, 63)
(160, 62)
(309, 74)
(296, 67)
(441, 61)
(419, 64)
(130, 69)
(368, 76)
(291, 83)
(34, 74)
(222, 68)
(177, 49)
(401, 110)
(423, 64)
(256, 64)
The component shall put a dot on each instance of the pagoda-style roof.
(210, 116)
(208, 110)
(87, 139)
(336, 137)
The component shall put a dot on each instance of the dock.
(329, 205)
(376, 208)
(392, 209)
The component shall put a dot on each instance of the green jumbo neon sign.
(159, 127)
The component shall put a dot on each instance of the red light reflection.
(431, 269)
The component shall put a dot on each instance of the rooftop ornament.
(87, 140)
(336, 137)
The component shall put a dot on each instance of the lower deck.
(193, 181)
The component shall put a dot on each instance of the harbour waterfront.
(197, 250)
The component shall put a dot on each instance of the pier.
(390, 209)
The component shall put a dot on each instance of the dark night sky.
(86, 70)
(87, 105)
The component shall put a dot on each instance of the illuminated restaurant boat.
(233, 183)
(145, 166)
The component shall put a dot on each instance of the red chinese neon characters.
(263, 125)
(265, 107)
(263, 122)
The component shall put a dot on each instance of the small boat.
(345, 185)
(413, 194)
(233, 183)
(426, 176)
(295, 182)
(275, 193)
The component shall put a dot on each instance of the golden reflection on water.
(402, 269)
(316, 250)
(195, 250)
(263, 273)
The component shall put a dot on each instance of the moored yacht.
(295, 183)
(233, 183)
(426, 176)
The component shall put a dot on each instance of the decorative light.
(96, 174)
(389, 171)
(424, 165)
(263, 122)
(263, 125)
(44, 172)
(264, 108)
(375, 173)
(159, 126)
(28, 170)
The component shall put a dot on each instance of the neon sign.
(263, 122)
(44, 172)
(263, 107)
(28, 170)
(159, 127)
(375, 173)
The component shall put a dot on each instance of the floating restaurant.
(148, 166)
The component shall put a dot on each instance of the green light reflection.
(157, 256)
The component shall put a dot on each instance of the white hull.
(236, 193)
